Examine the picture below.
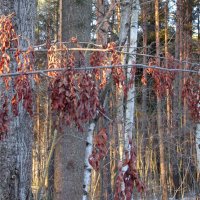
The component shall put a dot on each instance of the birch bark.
(130, 106)
(87, 166)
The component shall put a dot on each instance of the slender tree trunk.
(130, 105)
(87, 166)
(168, 100)
(198, 146)
(176, 105)
(159, 112)
(130, 100)
(125, 20)
(16, 149)
(144, 90)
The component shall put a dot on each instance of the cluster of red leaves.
(100, 149)
(23, 93)
(163, 79)
(126, 181)
(88, 98)
(74, 96)
(118, 73)
(191, 91)
(23, 61)
(7, 40)
(3, 118)
(99, 59)
(102, 59)
(57, 58)
(119, 183)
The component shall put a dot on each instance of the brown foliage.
(100, 149)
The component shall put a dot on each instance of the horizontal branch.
(39, 49)
(42, 72)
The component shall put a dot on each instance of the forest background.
(99, 99)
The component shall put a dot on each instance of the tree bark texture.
(70, 150)
(16, 149)
(76, 19)
(130, 105)
(87, 166)
(69, 165)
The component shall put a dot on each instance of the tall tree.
(16, 149)
(159, 110)
(69, 152)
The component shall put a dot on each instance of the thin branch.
(100, 67)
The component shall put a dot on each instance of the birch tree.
(130, 105)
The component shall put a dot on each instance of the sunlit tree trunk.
(16, 149)
(198, 146)
(159, 112)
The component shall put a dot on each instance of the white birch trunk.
(125, 22)
(88, 167)
(130, 106)
(198, 146)
(123, 35)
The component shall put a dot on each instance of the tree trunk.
(144, 88)
(102, 34)
(124, 22)
(16, 149)
(69, 152)
(76, 19)
(159, 112)
(130, 100)
(87, 166)
(198, 146)
(130, 105)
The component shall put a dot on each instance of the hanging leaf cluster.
(100, 149)
(162, 79)
(74, 96)
(4, 118)
(22, 61)
(128, 179)
(191, 92)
